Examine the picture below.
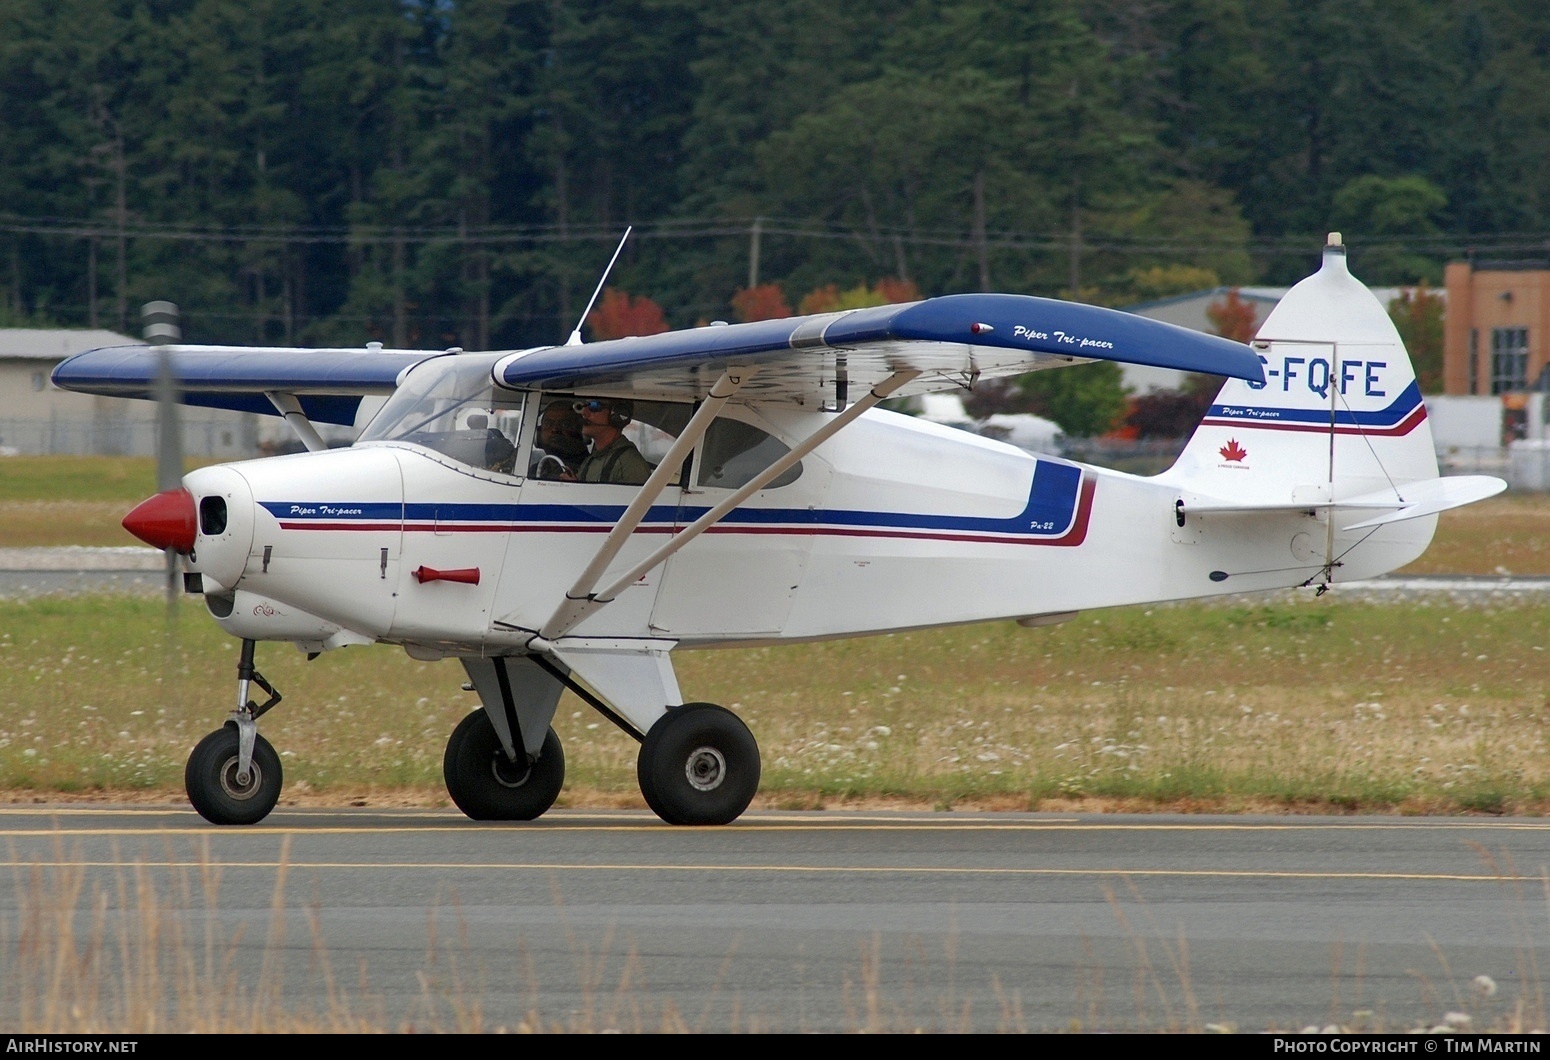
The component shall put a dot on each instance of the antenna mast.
(575, 336)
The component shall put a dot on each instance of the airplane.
(778, 504)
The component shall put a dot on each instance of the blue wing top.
(328, 383)
(952, 341)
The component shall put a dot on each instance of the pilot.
(559, 436)
(614, 457)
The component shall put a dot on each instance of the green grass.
(50, 501)
(125, 479)
(1295, 703)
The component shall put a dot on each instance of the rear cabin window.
(734, 452)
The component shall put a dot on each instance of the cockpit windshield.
(451, 404)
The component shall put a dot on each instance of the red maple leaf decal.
(1232, 450)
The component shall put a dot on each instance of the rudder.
(1339, 414)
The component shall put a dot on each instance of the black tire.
(488, 787)
(210, 779)
(699, 765)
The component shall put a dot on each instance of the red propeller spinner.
(167, 520)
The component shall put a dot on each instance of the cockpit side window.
(587, 438)
(604, 440)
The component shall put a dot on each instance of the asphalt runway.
(829, 921)
(812, 921)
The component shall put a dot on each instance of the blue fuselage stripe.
(1050, 511)
(1389, 416)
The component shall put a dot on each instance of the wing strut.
(578, 606)
(579, 594)
(285, 404)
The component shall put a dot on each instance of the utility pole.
(753, 252)
(981, 250)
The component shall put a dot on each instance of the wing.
(329, 384)
(952, 341)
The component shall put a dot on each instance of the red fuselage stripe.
(1403, 427)
(1074, 536)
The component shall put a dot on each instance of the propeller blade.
(160, 320)
(161, 329)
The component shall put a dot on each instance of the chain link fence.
(233, 437)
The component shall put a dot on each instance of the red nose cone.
(167, 520)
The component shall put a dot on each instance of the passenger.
(559, 436)
(614, 457)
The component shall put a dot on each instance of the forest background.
(440, 173)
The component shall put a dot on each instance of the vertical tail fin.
(1339, 414)
(1338, 430)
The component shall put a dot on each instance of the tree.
(1232, 317)
(1388, 213)
(996, 397)
(1172, 413)
(1086, 400)
(830, 299)
(1418, 315)
(893, 290)
(764, 302)
(1163, 281)
(620, 315)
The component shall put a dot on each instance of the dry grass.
(53, 524)
(1295, 703)
(137, 956)
(1508, 534)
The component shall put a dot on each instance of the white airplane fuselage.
(895, 523)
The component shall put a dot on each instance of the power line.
(1093, 240)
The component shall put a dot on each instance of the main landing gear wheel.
(215, 788)
(698, 765)
(487, 786)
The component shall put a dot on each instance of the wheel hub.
(705, 769)
(238, 786)
(510, 774)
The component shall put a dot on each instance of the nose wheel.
(233, 775)
(219, 788)
(698, 765)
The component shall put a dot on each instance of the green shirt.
(618, 462)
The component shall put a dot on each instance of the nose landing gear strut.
(233, 775)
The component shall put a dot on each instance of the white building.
(37, 417)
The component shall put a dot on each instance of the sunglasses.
(591, 406)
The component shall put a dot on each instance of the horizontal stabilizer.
(1411, 501)
(1428, 498)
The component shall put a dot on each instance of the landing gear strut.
(233, 775)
